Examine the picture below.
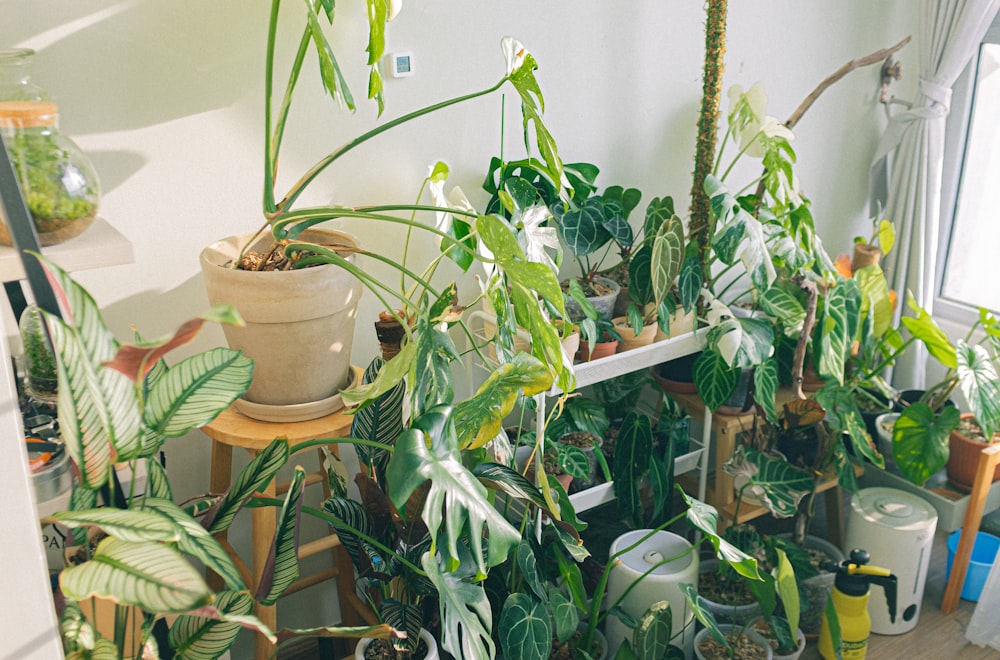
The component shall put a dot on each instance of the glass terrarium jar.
(40, 373)
(57, 180)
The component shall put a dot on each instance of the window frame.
(956, 140)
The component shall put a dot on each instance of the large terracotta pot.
(299, 328)
(963, 460)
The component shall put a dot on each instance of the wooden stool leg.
(970, 527)
(263, 522)
(220, 474)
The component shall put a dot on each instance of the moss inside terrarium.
(55, 187)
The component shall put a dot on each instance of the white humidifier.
(897, 529)
(663, 583)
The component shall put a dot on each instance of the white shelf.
(101, 245)
(588, 373)
(604, 493)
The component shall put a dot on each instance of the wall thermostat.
(402, 64)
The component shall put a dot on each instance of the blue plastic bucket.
(983, 553)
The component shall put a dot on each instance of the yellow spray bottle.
(850, 604)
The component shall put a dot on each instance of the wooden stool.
(232, 429)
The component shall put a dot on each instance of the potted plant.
(120, 403)
(39, 360)
(303, 244)
(921, 435)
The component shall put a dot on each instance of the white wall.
(166, 98)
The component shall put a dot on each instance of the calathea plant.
(119, 403)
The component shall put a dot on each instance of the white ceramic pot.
(299, 328)
(432, 647)
(727, 628)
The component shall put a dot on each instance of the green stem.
(330, 158)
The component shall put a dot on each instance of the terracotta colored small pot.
(864, 255)
(631, 340)
(601, 349)
(963, 460)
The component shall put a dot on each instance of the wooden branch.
(857, 63)
(799, 357)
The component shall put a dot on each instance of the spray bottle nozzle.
(854, 577)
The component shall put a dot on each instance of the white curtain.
(913, 147)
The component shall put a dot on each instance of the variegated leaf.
(206, 638)
(254, 477)
(194, 391)
(282, 566)
(126, 524)
(149, 575)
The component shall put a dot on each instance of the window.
(970, 224)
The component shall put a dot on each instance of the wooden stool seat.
(233, 429)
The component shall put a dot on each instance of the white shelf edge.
(101, 245)
(603, 493)
(588, 373)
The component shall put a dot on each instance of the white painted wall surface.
(166, 97)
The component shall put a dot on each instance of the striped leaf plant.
(119, 403)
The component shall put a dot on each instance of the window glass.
(970, 275)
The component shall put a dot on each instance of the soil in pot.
(567, 650)
(746, 645)
(763, 628)
(964, 449)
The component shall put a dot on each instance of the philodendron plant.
(119, 403)
(920, 435)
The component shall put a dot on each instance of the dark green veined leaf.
(716, 381)
(501, 478)
(380, 421)
(660, 210)
(651, 638)
(920, 440)
(667, 257)
(205, 638)
(625, 198)
(765, 383)
(575, 462)
(525, 628)
(194, 391)
(528, 567)
(690, 281)
(407, 618)
(479, 418)
(195, 542)
(464, 608)
(452, 486)
(583, 229)
(282, 566)
(640, 283)
(977, 376)
(565, 615)
(149, 575)
(633, 451)
(251, 479)
(706, 518)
